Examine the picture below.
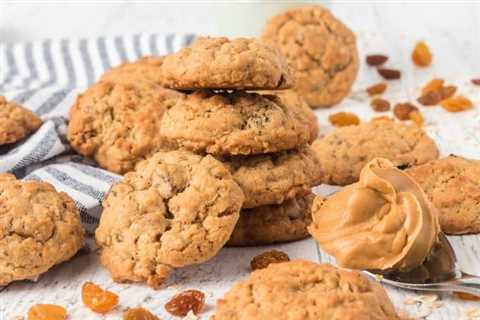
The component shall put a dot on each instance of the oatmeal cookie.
(118, 125)
(39, 228)
(292, 98)
(273, 223)
(453, 186)
(345, 151)
(237, 123)
(174, 210)
(16, 122)
(276, 177)
(305, 290)
(220, 63)
(147, 68)
(321, 50)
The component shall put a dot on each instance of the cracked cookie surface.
(174, 210)
(39, 228)
(305, 290)
(274, 178)
(321, 50)
(16, 122)
(270, 224)
(345, 151)
(147, 68)
(220, 63)
(453, 186)
(118, 125)
(238, 123)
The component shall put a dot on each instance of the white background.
(27, 20)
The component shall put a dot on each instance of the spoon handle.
(466, 283)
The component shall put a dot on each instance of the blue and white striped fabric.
(45, 77)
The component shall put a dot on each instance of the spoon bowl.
(439, 272)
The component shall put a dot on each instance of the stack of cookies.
(263, 138)
(212, 165)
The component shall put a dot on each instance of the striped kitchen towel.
(45, 77)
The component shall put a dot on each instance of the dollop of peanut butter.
(383, 222)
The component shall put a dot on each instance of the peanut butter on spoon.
(383, 222)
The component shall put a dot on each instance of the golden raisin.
(380, 105)
(476, 82)
(138, 313)
(185, 301)
(402, 110)
(378, 88)
(421, 55)
(47, 312)
(389, 74)
(457, 104)
(376, 59)
(341, 119)
(430, 98)
(263, 260)
(97, 299)
(433, 85)
(416, 118)
(447, 91)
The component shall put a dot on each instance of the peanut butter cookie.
(305, 290)
(237, 123)
(345, 151)
(276, 177)
(220, 63)
(273, 223)
(118, 125)
(174, 210)
(453, 186)
(321, 50)
(39, 228)
(144, 69)
(16, 122)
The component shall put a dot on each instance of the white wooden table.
(453, 34)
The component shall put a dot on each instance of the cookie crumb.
(378, 277)
(409, 301)
(425, 304)
(265, 259)
(472, 313)
(476, 81)
(191, 316)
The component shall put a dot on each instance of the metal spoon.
(440, 272)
